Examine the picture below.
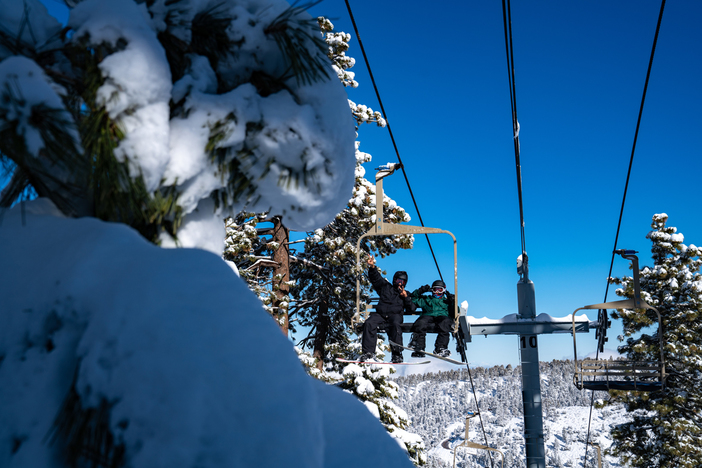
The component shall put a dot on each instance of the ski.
(452, 361)
(383, 362)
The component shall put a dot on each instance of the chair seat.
(407, 328)
(622, 385)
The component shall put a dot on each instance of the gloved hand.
(450, 302)
(424, 289)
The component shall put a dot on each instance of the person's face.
(438, 291)
(399, 283)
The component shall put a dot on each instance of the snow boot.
(368, 357)
(358, 328)
(413, 341)
(443, 352)
(397, 358)
(418, 353)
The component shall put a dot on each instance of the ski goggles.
(438, 290)
(400, 282)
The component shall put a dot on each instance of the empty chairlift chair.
(599, 374)
(472, 445)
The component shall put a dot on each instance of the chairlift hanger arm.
(468, 444)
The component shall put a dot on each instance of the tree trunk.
(281, 273)
(320, 338)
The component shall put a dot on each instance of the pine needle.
(85, 435)
(301, 44)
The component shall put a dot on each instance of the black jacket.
(390, 300)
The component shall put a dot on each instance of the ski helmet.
(402, 275)
(438, 288)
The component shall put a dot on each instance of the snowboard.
(383, 362)
(452, 361)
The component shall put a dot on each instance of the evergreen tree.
(323, 274)
(667, 425)
(371, 384)
(167, 115)
(324, 289)
(155, 113)
(324, 292)
(261, 255)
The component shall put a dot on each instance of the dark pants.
(392, 325)
(423, 323)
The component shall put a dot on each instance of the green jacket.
(433, 306)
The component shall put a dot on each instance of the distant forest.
(437, 404)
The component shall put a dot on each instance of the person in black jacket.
(392, 303)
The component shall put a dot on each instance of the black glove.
(424, 289)
(450, 302)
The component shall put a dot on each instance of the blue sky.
(580, 70)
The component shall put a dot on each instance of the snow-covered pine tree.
(159, 114)
(371, 384)
(168, 115)
(324, 292)
(666, 426)
(322, 276)
(322, 295)
(259, 247)
(324, 281)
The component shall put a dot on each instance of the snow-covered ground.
(194, 371)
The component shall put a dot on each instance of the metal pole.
(379, 205)
(531, 384)
(599, 454)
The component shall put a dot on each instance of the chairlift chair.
(387, 229)
(642, 376)
(468, 444)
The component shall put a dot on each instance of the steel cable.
(397, 152)
(507, 22)
(392, 138)
(626, 187)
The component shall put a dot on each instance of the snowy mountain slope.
(438, 404)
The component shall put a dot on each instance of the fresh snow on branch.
(224, 106)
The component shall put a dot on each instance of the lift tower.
(531, 382)
(527, 325)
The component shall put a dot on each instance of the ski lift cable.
(480, 413)
(626, 187)
(507, 22)
(404, 173)
(392, 138)
(636, 136)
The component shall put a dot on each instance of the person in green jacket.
(435, 310)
